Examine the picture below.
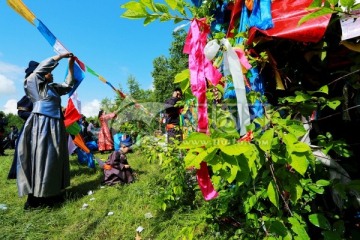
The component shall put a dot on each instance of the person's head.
(177, 92)
(49, 77)
(100, 113)
(125, 148)
(31, 67)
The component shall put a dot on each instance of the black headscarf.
(32, 66)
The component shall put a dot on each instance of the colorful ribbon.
(200, 70)
(79, 67)
(232, 67)
(286, 15)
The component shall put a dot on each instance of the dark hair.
(177, 89)
(100, 113)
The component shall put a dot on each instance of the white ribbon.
(59, 48)
(232, 66)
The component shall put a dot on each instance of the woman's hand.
(67, 55)
(64, 55)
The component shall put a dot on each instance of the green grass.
(129, 203)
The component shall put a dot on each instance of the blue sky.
(112, 46)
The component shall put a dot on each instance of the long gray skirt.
(42, 157)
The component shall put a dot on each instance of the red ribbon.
(286, 15)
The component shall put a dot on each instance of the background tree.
(165, 69)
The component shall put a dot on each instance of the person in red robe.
(105, 140)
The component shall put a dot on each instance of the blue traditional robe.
(42, 155)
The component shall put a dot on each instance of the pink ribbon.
(200, 70)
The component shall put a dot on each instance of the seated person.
(117, 168)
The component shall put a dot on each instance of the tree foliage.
(272, 183)
(165, 69)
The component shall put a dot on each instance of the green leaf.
(134, 10)
(149, 4)
(236, 149)
(205, 156)
(317, 3)
(319, 221)
(234, 168)
(163, 206)
(149, 19)
(195, 140)
(298, 229)
(299, 147)
(289, 139)
(322, 183)
(249, 203)
(177, 20)
(172, 3)
(266, 140)
(190, 157)
(161, 8)
(333, 104)
(277, 228)
(321, 12)
(347, 3)
(296, 129)
(333, 2)
(182, 76)
(301, 97)
(315, 189)
(165, 17)
(324, 89)
(299, 162)
(272, 194)
(243, 173)
(130, 14)
(296, 192)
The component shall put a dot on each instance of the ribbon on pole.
(200, 70)
(233, 67)
(79, 67)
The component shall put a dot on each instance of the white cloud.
(90, 109)
(11, 70)
(7, 86)
(11, 106)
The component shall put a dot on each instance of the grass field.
(133, 206)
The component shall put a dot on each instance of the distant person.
(117, 169)
(91, 127)
(3, 123)
(43, 168)
(13, 135)
(24, 107)
(105, 139)
(172, 116)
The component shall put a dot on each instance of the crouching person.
(117, 168)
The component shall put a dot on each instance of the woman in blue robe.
(43, 168)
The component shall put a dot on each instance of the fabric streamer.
(286, 15)
(232, 67)
(200, 70)
(259, 17)
(71, 113)
(79, 67)
(234, 18)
